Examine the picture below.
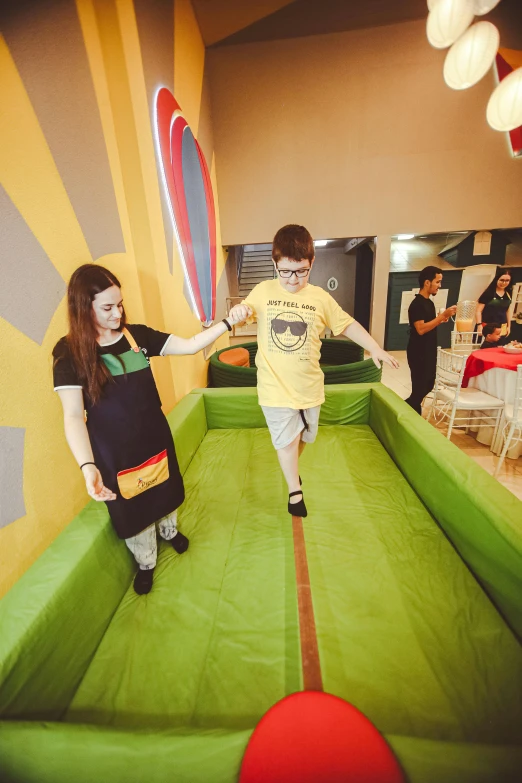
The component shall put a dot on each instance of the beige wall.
(355, 134)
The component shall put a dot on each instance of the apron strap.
(132, 342)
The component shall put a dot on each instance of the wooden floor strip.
(312, 679)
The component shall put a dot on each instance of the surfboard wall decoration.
(189, 194)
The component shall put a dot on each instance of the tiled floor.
(511, 473)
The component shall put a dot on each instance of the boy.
(291, 314)
(492, 334)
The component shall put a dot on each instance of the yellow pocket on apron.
(134, 481)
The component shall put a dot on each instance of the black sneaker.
(180, 543)
(143, 581)
(297, 509)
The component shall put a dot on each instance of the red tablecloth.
(488, 359)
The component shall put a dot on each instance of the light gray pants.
(144, 546)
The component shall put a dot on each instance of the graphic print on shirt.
(289, 330)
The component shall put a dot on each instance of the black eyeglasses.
(287, 273)
(297, 328)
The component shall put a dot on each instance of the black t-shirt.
(149, 340)
(496, 308)
(422, 309)
(487, 344)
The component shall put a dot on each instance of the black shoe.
(143, 581)
(297, 509)
(180, 543)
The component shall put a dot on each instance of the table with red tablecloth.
(494, 371)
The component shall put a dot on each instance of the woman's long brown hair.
(82, 339)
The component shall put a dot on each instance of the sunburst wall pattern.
(80, 183)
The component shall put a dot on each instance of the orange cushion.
(237, 356)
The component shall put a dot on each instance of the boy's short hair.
(489, 329)
(293, 242)
(428, 273)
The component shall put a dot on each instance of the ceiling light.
(405, 236)
(482, 7)
(504, 112)
(471, 57)
(320, 242)
(447, 20)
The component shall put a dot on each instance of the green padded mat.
(405, 632)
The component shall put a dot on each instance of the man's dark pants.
(423, 368)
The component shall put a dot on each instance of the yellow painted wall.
(53, 486)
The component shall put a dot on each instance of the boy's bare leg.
(288, 459)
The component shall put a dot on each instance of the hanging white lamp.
(447, 20)
(482, 7)
(471, 56)
(504, 112)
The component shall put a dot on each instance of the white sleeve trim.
(57, 388)
(162, 352)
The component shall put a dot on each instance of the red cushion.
(314, 737)
(237, 356)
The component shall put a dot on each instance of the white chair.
(449, 397)
(465, 343)
(513, 419)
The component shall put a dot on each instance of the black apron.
(132, 445)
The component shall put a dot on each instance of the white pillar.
(381, 272)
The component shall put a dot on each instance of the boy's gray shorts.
(285, 424)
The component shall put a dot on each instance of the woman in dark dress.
(113, 420)
(494, 303)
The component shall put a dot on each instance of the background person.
(422, 344)
(494, 303)
(492, 334)
(124, 445)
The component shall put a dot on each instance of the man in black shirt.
(422, 345)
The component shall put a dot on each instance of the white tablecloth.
(499, 383)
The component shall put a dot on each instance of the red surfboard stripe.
(166, 106)
(152, 461)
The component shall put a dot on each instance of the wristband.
(87, 463)
(227, 324)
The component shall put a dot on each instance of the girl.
(494, 303)
(113, 420)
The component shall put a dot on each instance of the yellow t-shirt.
(289, 347)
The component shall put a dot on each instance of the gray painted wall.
(335, 263)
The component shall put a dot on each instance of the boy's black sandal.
(297, 509)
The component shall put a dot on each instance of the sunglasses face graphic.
(297, 328)
(289, 331)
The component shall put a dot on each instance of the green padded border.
(188, 424)
(481, 518)
(54, 617)
(61, 752)
(238, 408)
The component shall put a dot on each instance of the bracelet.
(87, 463)
(227, 324)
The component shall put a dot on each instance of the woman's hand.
(239, 313)
(94, 484)
(379, 355)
